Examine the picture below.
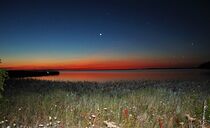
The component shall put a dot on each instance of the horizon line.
(104, 69)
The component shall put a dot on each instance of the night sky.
(103, 34)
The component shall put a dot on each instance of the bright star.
(100, 34)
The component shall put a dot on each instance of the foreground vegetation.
(3, 77)
(143, 104)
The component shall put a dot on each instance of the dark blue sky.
(176, 32)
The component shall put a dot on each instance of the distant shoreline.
(201, 66)
(31, 73)
(38, 73)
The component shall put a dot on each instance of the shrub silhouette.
(3, 76)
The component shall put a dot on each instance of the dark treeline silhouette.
(30, 73)
(205, 65)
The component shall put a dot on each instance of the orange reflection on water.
(123, 75)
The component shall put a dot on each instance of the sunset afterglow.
(102, 35)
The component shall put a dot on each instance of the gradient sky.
(103, 34)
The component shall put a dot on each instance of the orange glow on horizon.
(93, 63)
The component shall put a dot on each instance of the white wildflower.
(111, 124)
(93, 116)
(50, 118)
(58, 122)
(14, 124)
(41, 125)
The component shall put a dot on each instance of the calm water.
(175, 74)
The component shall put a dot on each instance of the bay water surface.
(146, 74)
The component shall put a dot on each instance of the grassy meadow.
(116, 104)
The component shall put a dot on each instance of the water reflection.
(128, 75)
